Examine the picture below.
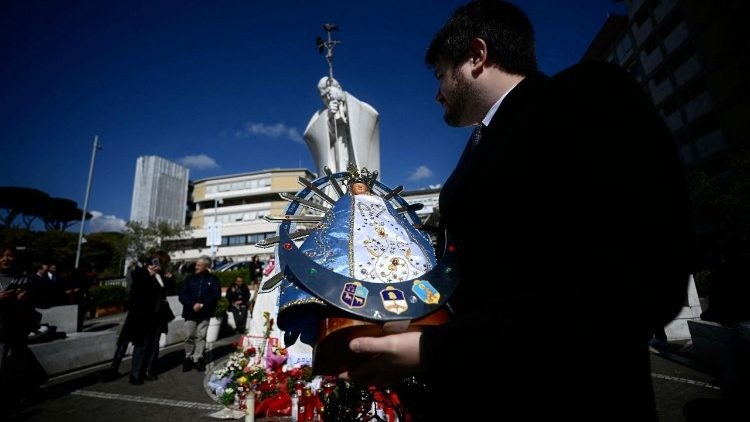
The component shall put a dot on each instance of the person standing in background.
(148, 315)
(199, 294)
(238, 296)
(256, 269)
(20, 372)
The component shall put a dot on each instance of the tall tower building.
(159, 191)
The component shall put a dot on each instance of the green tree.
(105, 253)
(142, 240)
(62, 213)
(56, 247)
(15, 200)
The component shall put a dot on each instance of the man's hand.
(7, 295)
(197, 307)
(393, 357)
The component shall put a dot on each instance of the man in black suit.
(585, 253)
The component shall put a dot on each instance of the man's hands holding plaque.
(393, 357)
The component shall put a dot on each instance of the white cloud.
(422, 172)
(272, 131)
(200, 161)
(105, 223)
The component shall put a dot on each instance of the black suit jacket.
(583, 255)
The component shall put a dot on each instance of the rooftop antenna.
(328, 46)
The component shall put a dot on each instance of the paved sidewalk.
(175, 396)
(675, 384)
(181, 396)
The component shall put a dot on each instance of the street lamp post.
(97, 146)
(216, 232)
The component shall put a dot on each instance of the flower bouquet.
(256, 374)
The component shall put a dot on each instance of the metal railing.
(120, 281)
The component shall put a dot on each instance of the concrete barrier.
(80, 350)
(175, 330)
(64, 317)
(77, 351)
(691, 310)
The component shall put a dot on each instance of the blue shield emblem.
(354, 295)
(394, 300)
(426, 292)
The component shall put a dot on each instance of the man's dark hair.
(503, 26)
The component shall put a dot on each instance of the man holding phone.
(146, 320)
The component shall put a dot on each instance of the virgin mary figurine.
(364, 269)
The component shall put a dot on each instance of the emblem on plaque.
(426, 292)
(394, 300)
(354, 295)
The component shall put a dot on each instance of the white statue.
(346, 131)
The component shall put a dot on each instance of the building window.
(693, 90)
(660, 76)
(650, 45)
(641, 16)
(682, 55)
(624, 46)
(636, 70)
(244, 239)
(704, 125)
(668, 26)
(669, 107)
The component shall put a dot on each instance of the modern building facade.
(693, 58)
(159, 192)
(429, 214)
(238, 203)
(428, 197)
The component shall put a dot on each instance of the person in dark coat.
(256, 269)
(199, 294)
(20, 371)
(238, 296)
(586, 253)
(148, 316)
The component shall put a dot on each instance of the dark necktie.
(476, 136)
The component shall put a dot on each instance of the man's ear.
(477, 54)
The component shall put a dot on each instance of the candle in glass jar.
(250, 410)
(295, 408)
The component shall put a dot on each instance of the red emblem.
(288, 245)
(451, 248)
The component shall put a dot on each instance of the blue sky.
(227, 86)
